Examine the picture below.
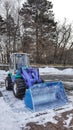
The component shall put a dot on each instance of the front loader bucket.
(48, 95)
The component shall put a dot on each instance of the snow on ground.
(3, 75)
(67, 122)
(50, 70)
(14, 114)
(7, 121)
(22, 115)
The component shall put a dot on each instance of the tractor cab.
(18, 60)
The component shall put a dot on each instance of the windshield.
(21, 60)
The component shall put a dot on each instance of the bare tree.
(63, 41)
(12, 27)
(7, 7)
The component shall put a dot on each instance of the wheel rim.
(15, 88)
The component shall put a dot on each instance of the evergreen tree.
(2, 24)
(39, 24)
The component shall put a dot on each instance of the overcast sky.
(63, 9)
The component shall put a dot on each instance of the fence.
(4, 67)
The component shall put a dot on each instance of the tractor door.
(21, 60)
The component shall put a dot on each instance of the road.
(66, 79)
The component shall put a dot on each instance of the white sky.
(63, 9)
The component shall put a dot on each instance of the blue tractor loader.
(26, 82)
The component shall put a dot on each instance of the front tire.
(19, 88)
(8, 83)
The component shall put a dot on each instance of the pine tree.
(2, 24)
(38, 17)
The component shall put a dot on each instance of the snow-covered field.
(14, 114)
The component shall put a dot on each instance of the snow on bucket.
(48, 95)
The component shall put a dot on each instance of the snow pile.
(68, 71)
(50, 70)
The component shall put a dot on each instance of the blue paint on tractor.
(40, 95)
(48, 95)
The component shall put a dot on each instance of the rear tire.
(19, 88)
(8, 83)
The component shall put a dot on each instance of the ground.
(14, 114)
(61, 125)
(51, 126)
